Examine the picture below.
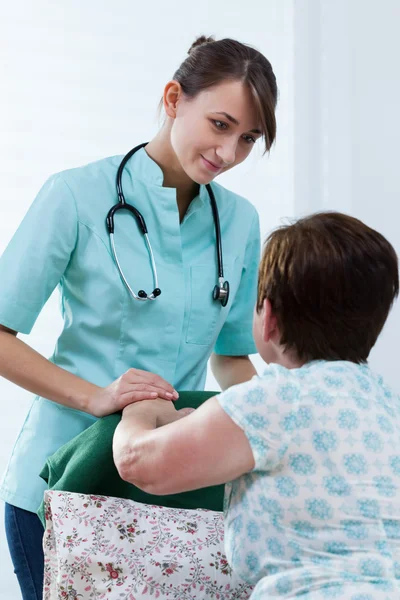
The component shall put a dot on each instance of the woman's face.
(214, 131)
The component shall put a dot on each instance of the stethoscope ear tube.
(121, 167)
(217, 231)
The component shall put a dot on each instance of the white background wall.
(82, 80)
(347, 124)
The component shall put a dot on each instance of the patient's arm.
(202, 449)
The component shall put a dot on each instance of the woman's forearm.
(28, 369)
(231, 370)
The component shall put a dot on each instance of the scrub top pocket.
(206, 315)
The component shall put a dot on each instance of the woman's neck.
(161, 151)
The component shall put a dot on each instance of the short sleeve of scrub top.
(37, 256)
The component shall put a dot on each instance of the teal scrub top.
(63, 241)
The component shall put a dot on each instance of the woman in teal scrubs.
(114, 350)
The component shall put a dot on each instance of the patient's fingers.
(184, 412)
(170, 414)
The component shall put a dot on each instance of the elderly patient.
(312, 447)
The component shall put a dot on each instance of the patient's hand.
(163, 412)
(169, 414)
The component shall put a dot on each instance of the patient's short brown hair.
(331, 281)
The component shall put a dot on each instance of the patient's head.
(326, 285)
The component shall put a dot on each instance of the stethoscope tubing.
(220, 292)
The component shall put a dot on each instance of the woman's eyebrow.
(229, 117)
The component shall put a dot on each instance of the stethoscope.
(221, 289)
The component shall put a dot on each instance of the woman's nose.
(227, 152)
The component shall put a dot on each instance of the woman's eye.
(249, 139)
(220, 124)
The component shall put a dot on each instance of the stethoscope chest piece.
(221, 292)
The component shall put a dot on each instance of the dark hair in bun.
(200, 41)
(211, 62)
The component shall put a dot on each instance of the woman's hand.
(133, 386)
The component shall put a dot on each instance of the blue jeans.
(24, 532)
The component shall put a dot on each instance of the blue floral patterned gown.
(319, 516)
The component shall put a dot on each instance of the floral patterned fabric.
(110, 548)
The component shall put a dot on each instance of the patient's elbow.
(124, 468)
(126, 460)
(131, 468)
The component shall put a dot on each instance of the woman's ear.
(172, 94)
(269, 322)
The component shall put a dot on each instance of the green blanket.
(85, 465)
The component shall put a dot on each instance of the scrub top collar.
(144, 168)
